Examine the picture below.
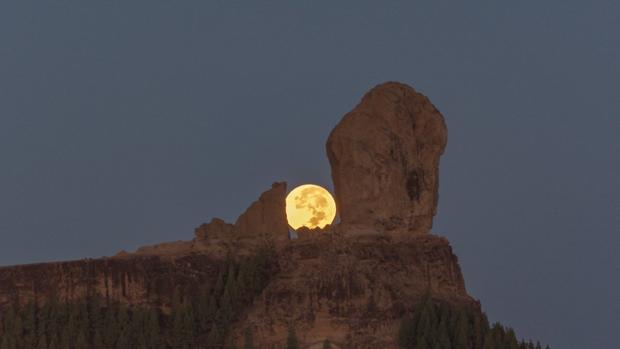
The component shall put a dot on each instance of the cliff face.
(352, 291)
(384, 156)
(350, 283)
(145, 280)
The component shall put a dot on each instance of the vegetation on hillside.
(439, 326)
(200, 321)
(203, 319)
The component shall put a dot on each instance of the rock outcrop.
(328, 286)
(353, 292)
(350, 282)
(263, 224)
(217, 229)
(384, 156)
(134, 279)
(266, 218)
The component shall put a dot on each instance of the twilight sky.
(129, 124)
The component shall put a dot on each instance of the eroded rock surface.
(266, 217)
(144, 280)
(384, 156)
(352, 291)
(263, 224)
(216, 229)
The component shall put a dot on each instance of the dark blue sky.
(125, 125)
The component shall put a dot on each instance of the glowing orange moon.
(310, 206)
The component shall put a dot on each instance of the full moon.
(310, 206)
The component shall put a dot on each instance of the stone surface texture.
(352, 291)
(266, 218)
(351, 282)
(384, 156)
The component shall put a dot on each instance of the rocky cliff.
(350, 283)
(352, 291)
(328, 286)
(384, 156)
(143, 280)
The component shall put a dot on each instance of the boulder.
(384, 156)
(266, 217)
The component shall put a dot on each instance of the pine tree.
(53, 320)
(179, 340)
(248, 340)
(18, 331)
(214, 340)
(66, 336)
(42, 324)
(5, 344)
(152, 329)
(30, 325)
(231, 289)
(510, 341)
(98, 342)
(427, 322)
(111, 327)
(245, 293)
(188, 324)
(462, 332)
(202, 311)
(95, 315)
(260, 264)
(422, 344)
(291, 340)
(219, 285)
(478, 331)
(42, 342)
(443, 339)
(81, 342)
(124, 336)
(123, 341)
(212, 310)
(54, 344)
(138, 328)
(9, 340)
(406, 333)
(225, 311)
(489, 341)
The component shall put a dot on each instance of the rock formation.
(350, 283)
(216, 229)
(384, 156)
(266, 218)
(352, 291)
(262, 224)
(135, 279)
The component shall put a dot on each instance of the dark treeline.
(202, 318)
(196, 319)
(439, 326)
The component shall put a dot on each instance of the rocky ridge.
(350, 283)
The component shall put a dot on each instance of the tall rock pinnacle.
(384, 156)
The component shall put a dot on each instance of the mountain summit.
(377, 279)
